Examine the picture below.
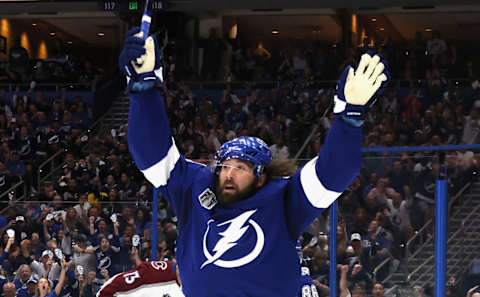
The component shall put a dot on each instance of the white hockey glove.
(358, 89)
(141, 61)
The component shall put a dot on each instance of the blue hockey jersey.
(307, 288)
(247, 248)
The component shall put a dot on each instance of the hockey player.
(238, 224)
(307, 288)
(149, 279)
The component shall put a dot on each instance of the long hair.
(280, 168)
(18, 274)
(37, 289)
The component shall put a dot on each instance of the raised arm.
(322, 180)
(344, 292)
(62, 278)
(5, 252)
(149, 136)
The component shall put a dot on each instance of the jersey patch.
(208, 199)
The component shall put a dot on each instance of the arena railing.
(10, 87)
(273, 84)
(420, 235)
(17, 192)
(458, 248)
(459, 170)
(248, 84)
(50, 166)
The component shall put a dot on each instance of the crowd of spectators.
(33, 128)
(60, 67)
(101, 200)
(229, 60)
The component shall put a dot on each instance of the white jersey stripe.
(159, 173)
(317, 194)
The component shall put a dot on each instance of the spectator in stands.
(83, 206)
(344, 291)
(50, 227)
(436, 49)
(105, 253)
(23, 274)
(5, 74)
(83, 253)
(358, 260)
(319, 267)
(472, 126)
(14, 164)
(359, 291)
(378, 290)
(37, 245)
(9, 290)
(378, 196)
(399, 176)
(121, 261)
(279, 149)
(18, 59)
(44, 284)
(110, 184)
(29, 291)
(44, 264)
(378, 246)
(143, 221)
(127, 187)
(398, 213)
(6, 178)
(102, 231)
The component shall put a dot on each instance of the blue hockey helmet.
(247, 148)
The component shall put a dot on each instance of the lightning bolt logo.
(229, 238)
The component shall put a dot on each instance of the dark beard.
(228, 199)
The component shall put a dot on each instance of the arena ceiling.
(456, 19)
(288, 4)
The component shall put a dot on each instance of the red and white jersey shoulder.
(155, 278)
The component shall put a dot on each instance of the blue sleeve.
(115, 242)
(3, 256)
(149, 136)
(88, 291)
(323, 179)
(155, 153)
(71, 278)
(3, 281)
(3, 222)
(52, 293)
(17, 283)
(384, 243)
(94, 239)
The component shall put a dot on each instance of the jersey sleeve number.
(309, 291)
(159, 265)
(130, 277)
